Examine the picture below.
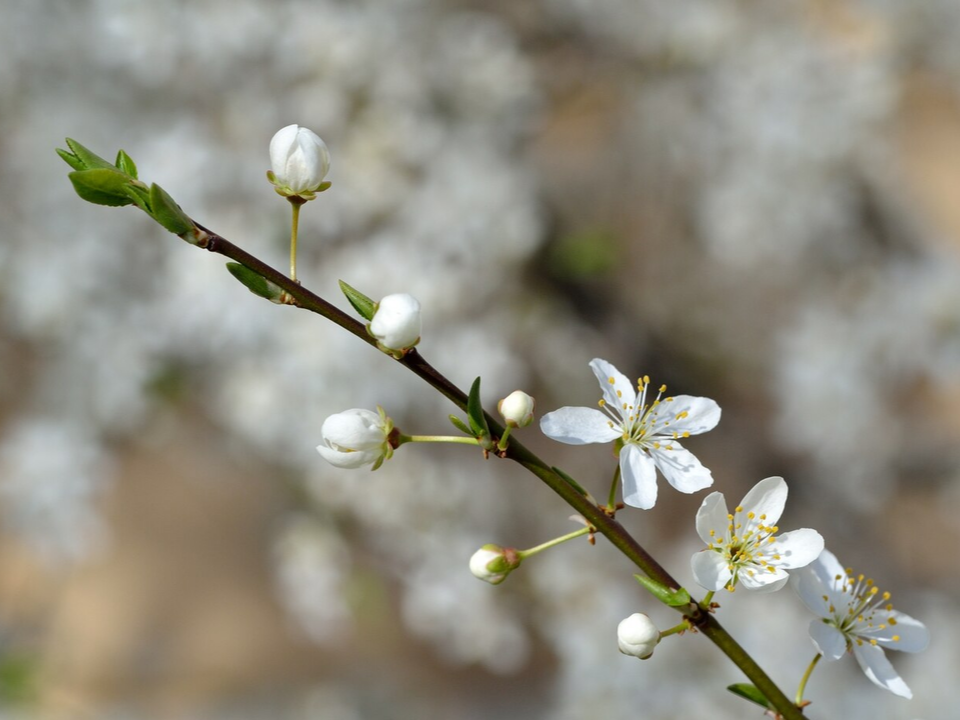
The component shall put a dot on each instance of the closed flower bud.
(396, 323)
(354, 438)
(492, 563)
(637, 636)
(300, 160)
(517, 409)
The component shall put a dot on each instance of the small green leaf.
(166, 211)
(102, 186)
(570, 481)
(361, 303)
(751, 693)
(72, 160)
(254, 282)
(141, 196)
(478, 421)
(460, 425)
(125, 164)
(668, 596)
(88, 160)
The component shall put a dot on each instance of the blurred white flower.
(647, 435)
(354, 438)
(396, 323)
(637, 635)
(300, 160)
(744, 548)
(854, 616)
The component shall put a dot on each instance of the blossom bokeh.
(753, 202)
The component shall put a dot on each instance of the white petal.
(348, 460)
(578, 426)
(797, 548)
(811, 589)
(638, 476)
(281, 145)
(710, 570)
(828, 639)
(876, 667)
(702, 414)
(766, 499)
(913, 634)
(617, 393)
(355, 429)
(681, 468)
(712, 515)
(763, 580)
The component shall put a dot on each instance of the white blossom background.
(752, 201)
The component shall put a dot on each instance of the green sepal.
(570, 481)
(82, 159)
(478, 421)
(751, 693)
(102, 186)
(255, 283)
(361, 303)
(165, 211)
(668, 596)
(460, 425)
(126, 164)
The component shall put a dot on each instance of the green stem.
(682, 627)
(612, 499)
(605, 525)
(550, 543)
(294, 226)
(707, 599)
(438, 439)
(806, 676)
(504, 439)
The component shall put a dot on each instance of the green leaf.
(254, 282)
(72, 160)
(570, 481)
(478, 421)
(125, 163)
(668, 596)
(460, 425)
(86, 159)
(751, 693)
(102, 186)
(141, 196)
(166, 212)
(361, 303)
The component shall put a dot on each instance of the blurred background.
(752, 201)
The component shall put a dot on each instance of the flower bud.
(492, 563)
(637, 636)
(396, 323)
(354, 438)
(300, 160)
(517, 409)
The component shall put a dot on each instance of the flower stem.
(294, 227)
(504, 439)
(612, 499)
(682, 627)
(550, 543)
(707, 599)
(806, 676)
(438, 439)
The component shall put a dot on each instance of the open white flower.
(354, 438)
(856, 617)
(647, 435)
(744, 548)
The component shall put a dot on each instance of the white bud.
(300, 160)
(354, 438)
(492, 563)
(517, 409)
(396, 323)
(637, 636)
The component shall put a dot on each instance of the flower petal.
(699, 414)
(348, 460)
(796, 548)
(578, 426)
(811, 589)
(766, 500)
(638, 474)
(710, 569)
(912, 634)
(762, 580)
(876, 667)
(712, 519)
(681, 468)
(618, 392)
(828, 639)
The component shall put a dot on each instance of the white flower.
(354, 438)
(492, 563)
(856, 617)
(517, 409)
(646, 434)
(744, 547)
(300, 160)
(396, 323)
(637, 636)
